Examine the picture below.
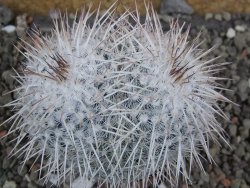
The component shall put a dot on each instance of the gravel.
(246, 124)
(226, 16)
(9, 184)
(6, 15)
(240, 28)
(174, 6)
(218, 17)
(208, 16)
(240, 41)
(231, 32)
(9, 29)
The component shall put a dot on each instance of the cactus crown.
(116, 103)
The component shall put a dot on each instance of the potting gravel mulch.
(231, 32)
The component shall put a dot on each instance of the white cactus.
(116, 103)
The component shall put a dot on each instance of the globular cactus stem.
(116, 103)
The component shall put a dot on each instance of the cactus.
(116, 103)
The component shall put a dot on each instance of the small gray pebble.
(9, 184)
(232, 51)
(21, 25)
(204, 177)
(5, 98)
(243, 183)
(225, 151)
(2, 179)
(240, 41)
(236, 183)
(8, 77)
(242, 87)
(10, 29)
(226, 16)
(23, 184)
(240, 151)
(246, 124)
(165, 17)
(5, 15)
(22, 170)
(230, 94)
(244, 133)
(229, 107)
(33, 175)
(238, 173)
(240, 28)
(247, 156)
(10, 175)
(231, 33)
(5, 163)
(214, 151)
(226, 167)
(174, 6)
(232, 130)
(218, 41)
(218, 17)
(32, 185)
(236, 79)
(208, 16)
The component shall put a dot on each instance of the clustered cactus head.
(116, 103)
